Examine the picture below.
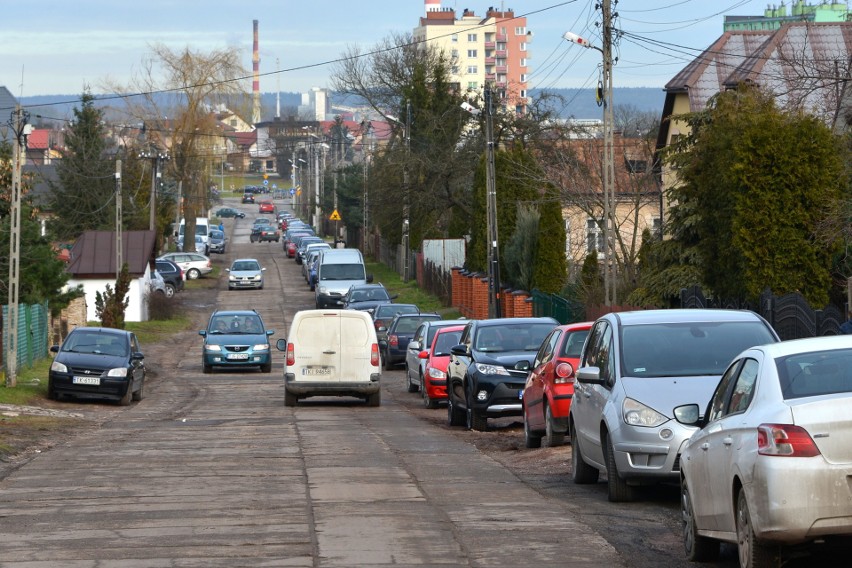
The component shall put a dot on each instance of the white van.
(202, 229)
(337, 271)
(331, 353)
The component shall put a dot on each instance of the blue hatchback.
(236, 338)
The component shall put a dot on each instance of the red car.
(434, 388)
(267, 207)
(550, 385)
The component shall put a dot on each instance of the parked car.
(635, 368)
(264, 230)
(488, 368)
(550, 385)
(302, 245)
(384, 314)
(417, 351)
(292, 243)
(236, 339)
(172, 275)
(245, 273)
(311, 248)
(225, 212)
(266, 207)
(399, 334)
(201, 246)
(217, 241)
(331, 353)
(98, 362)
(365, 297)
(770, 464)
(432, 379)
(194, 265)
(311, 269)
(157, 284)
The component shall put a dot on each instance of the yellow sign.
(265, 176)
(335, 216)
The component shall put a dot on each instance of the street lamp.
(405, 189)
(610, 269)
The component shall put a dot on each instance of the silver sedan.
(772, 462)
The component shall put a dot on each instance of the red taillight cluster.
(564, 373)
(786, 440)
(393, 340)
(374, 355)
(291, 355)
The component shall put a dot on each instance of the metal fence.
(555, 306)
(790, 315)
(33, 329)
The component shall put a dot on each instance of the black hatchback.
(100, 363)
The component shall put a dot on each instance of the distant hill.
(580, 103)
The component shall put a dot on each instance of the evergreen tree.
(111, 305)
(753, 183)
(84, 197)
(521, 249)
(550, 270)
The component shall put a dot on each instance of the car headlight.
(212, 348)
(261, 347)
(256, 277)
(117, 372)
(490, 369)
(58, 367)
(436, 373)
(231, 277)
(322, 289)
(637, 414)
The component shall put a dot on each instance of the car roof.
(683, 315)
(244, 260)
(107, 330)
(234, 313)
(580, 326)
(807, 345)
(507, 321)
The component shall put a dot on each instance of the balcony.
(502, 69)
(489, 61)
(501, 53)
(502, 37)
(490, 44)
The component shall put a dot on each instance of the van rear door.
(331, 346)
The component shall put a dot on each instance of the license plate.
(238, 356)
(521, 394)
(87, 381)
(316, 371)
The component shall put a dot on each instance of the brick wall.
(470, 297)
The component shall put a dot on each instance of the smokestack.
(255, 86)
(433, 6)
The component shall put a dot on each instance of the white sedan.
(772, 462)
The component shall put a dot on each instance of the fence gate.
(33, 320)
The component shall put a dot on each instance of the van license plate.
(87, 381)
(238, 356)
(316, 371)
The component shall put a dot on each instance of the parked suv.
(635, 368)
(488, 368)
(236, 339)
(172, 275)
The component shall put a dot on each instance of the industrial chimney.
(255, 86)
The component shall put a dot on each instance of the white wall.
(137, 307)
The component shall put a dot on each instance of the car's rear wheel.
(617, 489)
(290, 399)
(531, 439)
(698, 548)
(170, 290)
(552, 435)
(374, 399)
(752, 553)
(193, 273)
(581, 472)
(455, 416)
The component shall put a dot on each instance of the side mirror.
(270, 332)
(382, 328)
(227, 270)
(281, 344)
(54, 349)
(460, 349)
(522, 366)
(137, 356)
(590, 375)
(394, 297)
(688, 415)
(203, 333)
(414, 345)
(263, 269)
(423, 355)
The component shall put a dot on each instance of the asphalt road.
(213, 470)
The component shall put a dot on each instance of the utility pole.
(406, 204)
(493, 249)
(156, 157)
(118, 224)
(317, 209)
(610, 226)
(22, 129)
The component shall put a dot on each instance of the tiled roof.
(93, 255)
(797, 62)
(39, 139)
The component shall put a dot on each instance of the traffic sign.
(335, 216)
(274, 186)
(266, 182)
(292, 191)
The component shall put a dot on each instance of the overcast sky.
(58, 46)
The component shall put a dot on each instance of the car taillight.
(786, 440)
(291, 355)
(393, 340)
(564, 374)
(374, 355)
(379, 323)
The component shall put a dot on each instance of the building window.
(523, 93)
(454, 38)
(523, 62)
(523, 78)
(519, 31)
(454, 70)
(636, 166)
(471, 53)
(472, 70)
(471, 37)
(473, 86)
(522, 46)
(501, 46)
(455, 53)
(657, 227)
(567, 238)
(594, 236)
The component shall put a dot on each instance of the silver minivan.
(635, 368)
(331, 353)
(337, 271)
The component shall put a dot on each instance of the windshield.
(245, 266)
(387, 311)
(217, 235)
(512, 337)
(687, 349)
(235, 324)
(342, 272)
(97, 343)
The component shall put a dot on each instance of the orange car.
(550, 385)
